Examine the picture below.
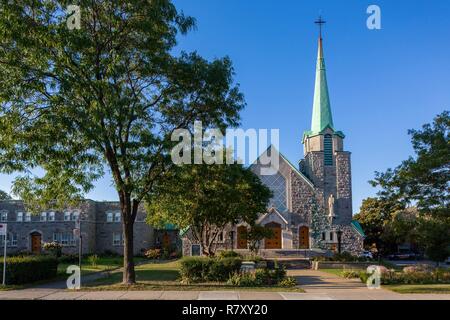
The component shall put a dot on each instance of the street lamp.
(339, 236)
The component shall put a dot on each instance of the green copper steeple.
(321, 117)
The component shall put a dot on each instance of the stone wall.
(344, 188)
(96, 231)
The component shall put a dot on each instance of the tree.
(106, 97)
(401, 228)
(255, 234)
(434, 237)
(373, 216)
(424, 181)
(207, 198)
(4, 195)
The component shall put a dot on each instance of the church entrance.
(241, 237)
(303, 234)
(275, 241)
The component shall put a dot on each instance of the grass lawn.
(336, 272)
(103, 264)
(420, 288)
(165, 276)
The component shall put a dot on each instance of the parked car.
(367, 255)
(405, 255)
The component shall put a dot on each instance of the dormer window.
(328, 150)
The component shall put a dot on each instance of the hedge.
(194, 269)
(27, 269)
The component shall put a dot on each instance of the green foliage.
(228, 254)
(4, 196)
(28, 269)
(93, 260)
(68, 259)
(350, 274)
(261, 277)
(288, 282)
(207, 198)
(196, 269)
(107, 97)
(373, 216)
(255, 234)
(423, 180)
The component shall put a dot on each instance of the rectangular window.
(28, 217)
(195, 250)
(19, 216)
(75, 215)
(64, 238)
(116, 216)
(331, 236)
(11, 240)
(4, 216)
(220, 237)
(109, 217)
(323, 236)
(43, 216)
(67, 216)
(117, 239)
(51, 216)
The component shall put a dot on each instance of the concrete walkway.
(317, 285)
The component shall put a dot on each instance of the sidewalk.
(317, 285)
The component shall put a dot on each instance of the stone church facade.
(318, 189)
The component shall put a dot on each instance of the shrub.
(288, 282)
(243, 280)
(53, 248)
(93, 260)
(68, 258)
(152, 253)
(228, 254)
(261, 277)
(208, 269)
(350, 274)
(21, 270)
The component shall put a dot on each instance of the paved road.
(317, 285)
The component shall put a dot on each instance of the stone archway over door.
(275, 241)
(303, 235)
(36, 239)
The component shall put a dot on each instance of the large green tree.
(77, 103)
(207, 198)
(374, 214)
(4, 195)
(424, 180)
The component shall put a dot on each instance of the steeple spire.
(321, 117)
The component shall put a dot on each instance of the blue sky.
(381, 82)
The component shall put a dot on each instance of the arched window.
(328, 150)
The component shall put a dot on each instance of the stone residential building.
(320, 185)
(100, 224)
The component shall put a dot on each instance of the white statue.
(331, 206)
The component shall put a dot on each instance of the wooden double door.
(303, 235)
(275, 241)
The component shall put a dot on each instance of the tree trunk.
(129, 276)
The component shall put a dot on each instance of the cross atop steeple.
(320, 22)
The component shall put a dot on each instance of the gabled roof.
(355, 224)
(305, 178)
(272, 210)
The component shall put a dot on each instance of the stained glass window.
(277, 184)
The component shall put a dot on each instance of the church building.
(311, 207)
